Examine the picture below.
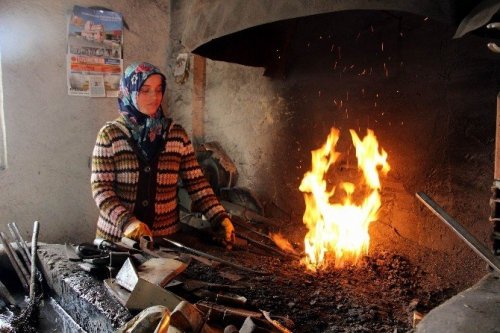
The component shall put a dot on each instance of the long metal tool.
(466, 236)
(267, 247)
(34, 241)
(209, 256)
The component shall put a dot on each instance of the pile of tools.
(148, 278)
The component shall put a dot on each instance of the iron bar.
(467, 237)
(13, 261)
(211, 257)
(270, 248)
(22, 241)
(247, 214)
(243, 225)
(25, 257)
(34, 241)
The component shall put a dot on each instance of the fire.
(339, 231)
(282, 242)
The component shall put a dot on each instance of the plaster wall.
(244, 111)
(50, 135)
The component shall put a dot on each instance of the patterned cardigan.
(115, 175)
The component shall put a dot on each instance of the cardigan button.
(147, 169)
(145, 203)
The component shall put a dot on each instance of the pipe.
(34, 241)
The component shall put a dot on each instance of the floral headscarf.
(147, 131)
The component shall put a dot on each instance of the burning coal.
(282, 243)
(338, 231)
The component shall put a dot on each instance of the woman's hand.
(226, 233)
(137, 229)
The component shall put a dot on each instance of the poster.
(94, 58)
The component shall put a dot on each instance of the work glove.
(225, 233)
(136, 229)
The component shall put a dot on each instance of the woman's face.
(150, 95)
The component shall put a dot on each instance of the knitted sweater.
(115, 175)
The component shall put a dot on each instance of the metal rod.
(209, 256)
(247, 214)
(270, 248)
(19, 246)
(6, 295)
(34, 240)
(467, 237)
(13, 261)
(243, 225)
(22, 241)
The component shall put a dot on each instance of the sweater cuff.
(125, 221)
(216, 221)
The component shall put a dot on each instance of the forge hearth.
(380, 295)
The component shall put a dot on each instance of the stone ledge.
(81, 295)
(473, 310)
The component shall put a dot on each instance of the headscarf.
(148, 132)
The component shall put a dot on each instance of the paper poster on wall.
(94, 59)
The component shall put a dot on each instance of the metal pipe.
(26, 259)
(467, 237)
(13, 261)
(34, 241)
(22, 241)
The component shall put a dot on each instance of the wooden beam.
(199, 85)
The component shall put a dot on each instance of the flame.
(282, 243)
(339, 231)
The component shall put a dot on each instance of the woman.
(136, 164)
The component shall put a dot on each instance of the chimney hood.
(249, 32)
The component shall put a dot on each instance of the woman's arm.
(102, 181)
(199, 189)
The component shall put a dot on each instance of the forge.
(293, 107)
(429, 98)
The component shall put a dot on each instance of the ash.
(381, 294)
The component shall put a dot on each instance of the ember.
(339, 231)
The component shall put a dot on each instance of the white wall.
(243, 110)
(49, 134)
